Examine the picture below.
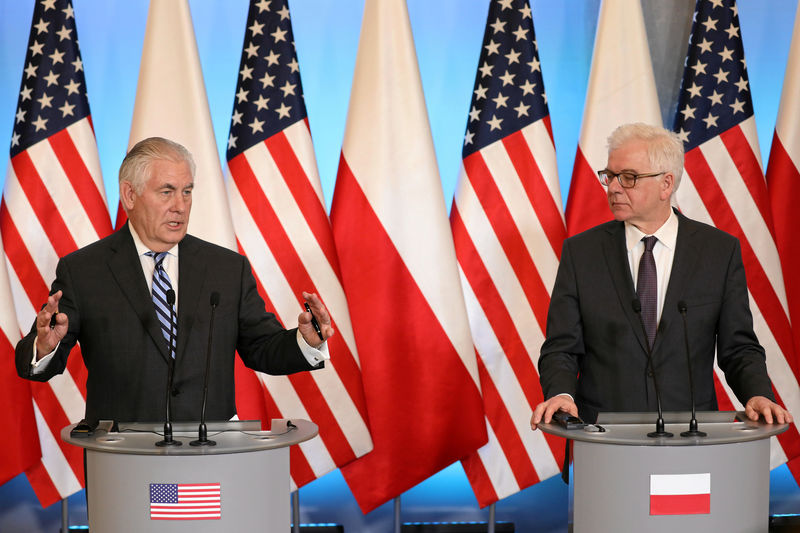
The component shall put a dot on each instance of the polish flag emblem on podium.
(674, 494)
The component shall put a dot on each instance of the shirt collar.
(142, 249)
(667, 234)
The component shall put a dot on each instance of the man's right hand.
(47, 338)
(544, 411)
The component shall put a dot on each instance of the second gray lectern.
(241, 484)
(624, 481)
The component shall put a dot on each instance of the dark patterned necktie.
(165, 312)
(646, 288)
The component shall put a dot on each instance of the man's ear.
(667, 185)
(127, 195)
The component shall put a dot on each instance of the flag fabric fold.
(508, 228)
(621, 89)
(400, 273)
(281, 225)
(171, 102)
(723, 185)
(53, 203)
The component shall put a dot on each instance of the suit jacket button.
(649, 374)
(175, 392)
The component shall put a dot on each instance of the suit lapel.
(126, 269)
(192, 276)
(683, 264)
(620, 271)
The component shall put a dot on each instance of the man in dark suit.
(610, 301)
(112, 297)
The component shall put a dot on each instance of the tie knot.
(649, 242)
(158, 257)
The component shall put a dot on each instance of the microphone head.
(214, 299)
(681, 307)
(637, 306)
(171, 297)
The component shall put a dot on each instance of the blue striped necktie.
(166, 313)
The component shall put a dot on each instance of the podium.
(624, 481)
(241, 484)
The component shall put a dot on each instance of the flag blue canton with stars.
(52, 94)
(269, 95)
(509, 91)
(715, 93)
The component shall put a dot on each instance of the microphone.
(659, 432)
(693, 431)
(168, 440)
(202, 438)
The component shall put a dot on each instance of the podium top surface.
(631, 429)
(230, 437)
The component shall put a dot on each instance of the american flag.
(621, 89)
(53, 203)
(400, 272)
(185, 501)
(281, 225)
(508, 228)
(723, 185)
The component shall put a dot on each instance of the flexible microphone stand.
(202, 438)
(660, 431)
(168, 440)
(693, 431)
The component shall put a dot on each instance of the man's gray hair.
(664, 147)
(135, 168)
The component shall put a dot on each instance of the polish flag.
(672, 494)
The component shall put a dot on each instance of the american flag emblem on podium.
(185, 501)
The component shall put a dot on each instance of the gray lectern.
(241, 484)
(624, 481)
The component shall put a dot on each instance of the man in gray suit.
(113, 296)
(611, 302)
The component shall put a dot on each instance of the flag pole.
(64, 515)
(296, 511)
(490, 525)
(397, 514)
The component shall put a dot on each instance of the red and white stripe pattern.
(400, 272)
(621, 89)
(723, 185)
(53, 203)
(20, 451)
(185, 501)
(508, 229)
(281, 226)
(680, 494)
(783, 185)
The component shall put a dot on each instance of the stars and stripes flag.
(621, 90)
(400, 273)
(21, 451)
(54, 202)
(783, 182)
(508, 228)
(282, 227)
(171, 102)
(723, 185)
(185, 501)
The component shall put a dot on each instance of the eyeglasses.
(626, 179)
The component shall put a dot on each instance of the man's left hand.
(758, 406)
(319, 312)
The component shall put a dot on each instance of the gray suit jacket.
(596, 350)
(111, 314)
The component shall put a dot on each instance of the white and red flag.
(53, 203)
(20, 448)
(171, 102)
(400, 273)
(508, 229)
(676, 494)
(621, 89)
(723, 185)
(783, 185)
(281, 226)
